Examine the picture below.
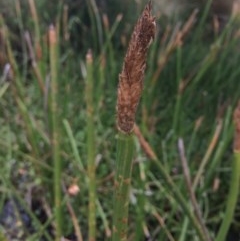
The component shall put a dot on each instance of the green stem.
(34, 14)
(55, 131)
(202, 20)
(207, 155)
(31, 133)
(73, 144)
(125, 150)
(177, 110)
(232, 198)
(91, 151)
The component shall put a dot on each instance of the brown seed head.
(236, 120)
(52, 35)
(131, 78)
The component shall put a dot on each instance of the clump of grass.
(129, 93)
(182, 72)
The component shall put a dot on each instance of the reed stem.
(91, 150)
(57, 165)
(232, 198)
(235, 180)
(125, 150)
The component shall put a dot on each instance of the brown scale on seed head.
(131, 78)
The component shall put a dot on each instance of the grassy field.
(58, 136)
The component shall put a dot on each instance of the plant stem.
(208, 153)
(55, 131)
(73, 144)
(190, 189)
(177, 110)
(232, 198)
(129, 93)
(91, 150)
(125, 150)
(35, 19)
(31, 133)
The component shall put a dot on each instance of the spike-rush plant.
(129, 92)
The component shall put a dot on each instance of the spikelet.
(236, 120)
(131, 78)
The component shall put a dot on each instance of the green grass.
(190, 92)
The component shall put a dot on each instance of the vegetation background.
(59, 63)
